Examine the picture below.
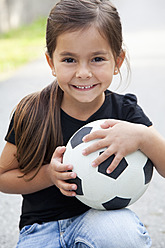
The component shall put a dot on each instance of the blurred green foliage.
(22, 45)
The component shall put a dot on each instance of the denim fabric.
(93, 229)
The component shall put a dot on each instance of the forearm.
(12, 183)
(153, 145)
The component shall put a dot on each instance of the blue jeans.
(93, 229)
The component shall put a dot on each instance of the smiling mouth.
(83, 87)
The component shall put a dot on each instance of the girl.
(84, 51)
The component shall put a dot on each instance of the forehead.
(89, 38)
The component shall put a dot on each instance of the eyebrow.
(65, 53)
(99, 53)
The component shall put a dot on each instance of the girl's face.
(84, 67)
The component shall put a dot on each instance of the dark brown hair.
(37, 128)
(72, 15)
(37, 121)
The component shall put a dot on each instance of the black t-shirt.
(50, 204)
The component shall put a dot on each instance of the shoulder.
(125, 107)
(121, 100)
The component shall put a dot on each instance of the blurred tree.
(13, 13)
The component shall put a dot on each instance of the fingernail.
(93, 164)
(70, 167)
(83, 152)
(73, 175)
(108, 171)
(74, 187)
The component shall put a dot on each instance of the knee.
(118, 228)
(128, 230)
(134, 231)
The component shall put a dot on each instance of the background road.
(144, 35)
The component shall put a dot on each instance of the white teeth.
(84, 87)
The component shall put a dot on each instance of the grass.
(21, 45)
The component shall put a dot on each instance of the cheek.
(105, 75)
(106, 71)
(64, 74)
(63, 78)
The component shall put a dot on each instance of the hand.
(60, 172)
(119, 137)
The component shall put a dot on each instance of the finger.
(68, 193)
(109, 123)
(66, 175)
(60, 167)
(104, 156)
(99, 144)
(99, 134)
(58, 152)
(117, 159)
(67, 187)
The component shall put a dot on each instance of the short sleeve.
(10, 136)
(132, 112)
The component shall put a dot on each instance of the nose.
(83, 71)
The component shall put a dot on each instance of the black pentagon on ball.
(78, 182)
(117, 172)
(148, 171)
(77, 138)
(116, 203)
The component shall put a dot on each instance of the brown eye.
(69, 60)
(98, 59)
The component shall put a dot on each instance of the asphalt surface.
(144, 32)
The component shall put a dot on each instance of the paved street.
(144, 35)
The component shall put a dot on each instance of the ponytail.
(37, 126)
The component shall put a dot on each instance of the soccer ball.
(95, 187)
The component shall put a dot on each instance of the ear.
(50, 63)
(119, 62)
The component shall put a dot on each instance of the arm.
(9, 174)
(48, 175)
(153, 145)
(122, 138)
